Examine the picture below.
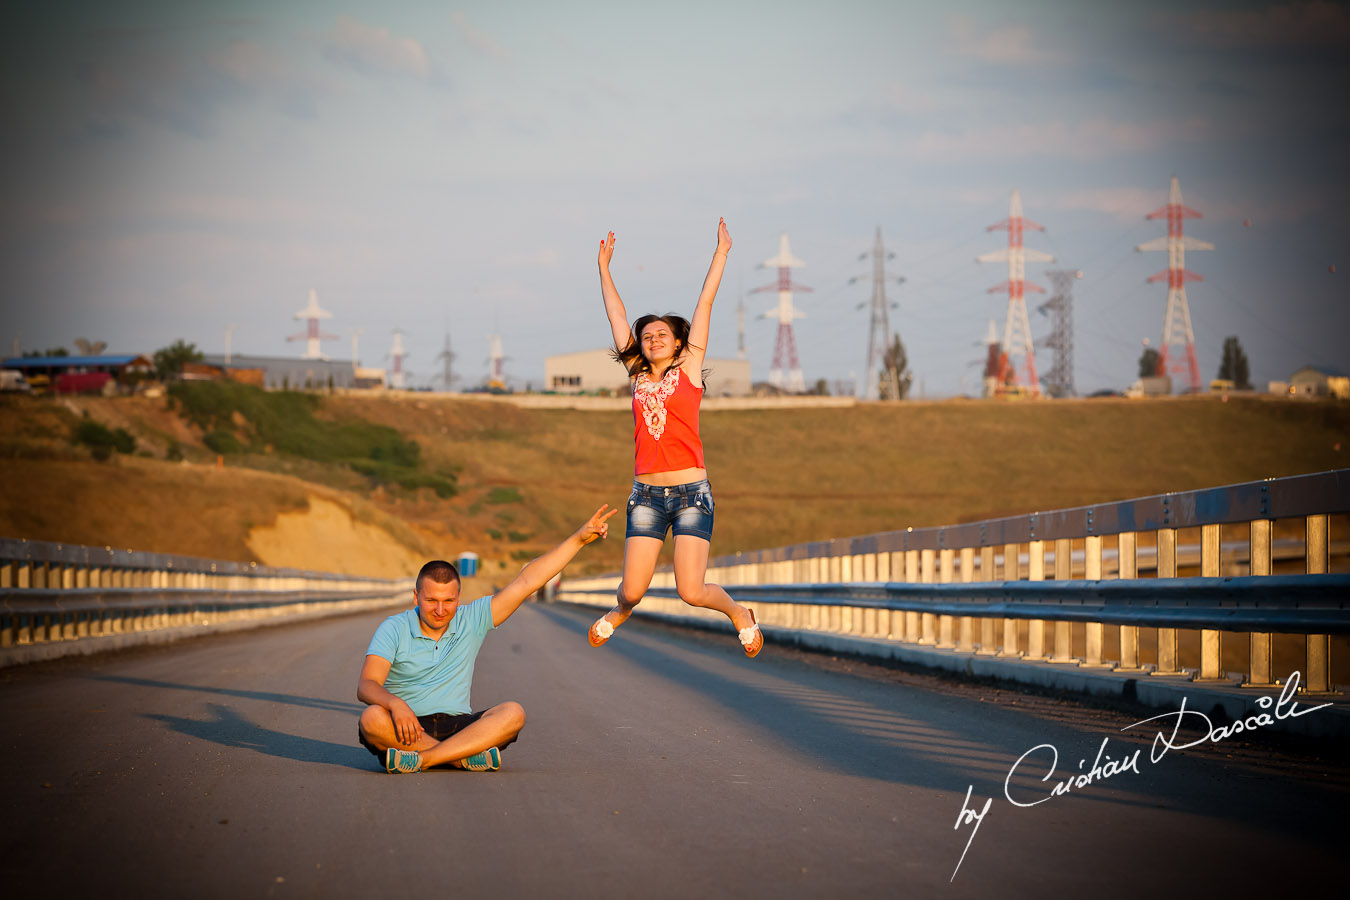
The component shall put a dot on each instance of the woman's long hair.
(631, 356)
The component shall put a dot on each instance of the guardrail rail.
(1067, 586)
(58, 593)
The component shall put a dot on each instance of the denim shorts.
(682, 508)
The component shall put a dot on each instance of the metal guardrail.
(48, 617)
(1279, 604)
(28, 564)
(919, 585)
(60, 592)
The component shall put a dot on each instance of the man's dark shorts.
(439, 726)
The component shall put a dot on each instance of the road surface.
(664, 764)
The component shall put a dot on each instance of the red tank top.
(665, 423)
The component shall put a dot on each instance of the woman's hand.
(723, 237)
(607, 250)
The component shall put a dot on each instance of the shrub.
(285, 422)
(123, 441)
(222, 441)
(101, 440)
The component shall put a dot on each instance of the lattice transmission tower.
(356, 345)
(1177, 333)
(785, 360)
(447, 358)
(879, 332)
(741, 352)
(1059, 380)
(1017, 330)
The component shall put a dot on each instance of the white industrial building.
(594, 371)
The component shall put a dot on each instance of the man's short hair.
(439, 571)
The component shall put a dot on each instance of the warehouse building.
(596, 372)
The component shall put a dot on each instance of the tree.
(1148, 363)
(894, 379)
(169, 360)
(90, 348)
(1234, 367)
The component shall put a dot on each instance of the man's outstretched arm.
(540, 570)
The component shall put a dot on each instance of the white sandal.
(752, 639)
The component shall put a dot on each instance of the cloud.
(1093, 139)
(232, 210)
(788, 196)
(259, 72)
(124, 85)
(548, 258)
(1269, 205)
(1128, 204)
(246, 62)
(1003, 45)
(376, 51)
(1315, 24)
(478, 40)
(182, 95)
(901, 98)
(993, 198)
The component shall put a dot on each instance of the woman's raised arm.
(700, 325)
(618, 316)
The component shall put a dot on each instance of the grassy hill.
(445, 474)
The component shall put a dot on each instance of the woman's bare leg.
(639, 564)
(691, 572)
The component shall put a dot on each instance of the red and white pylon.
(496, 371)
(1177, 333)
(785, 349)
(311, 315)
(1017, 330)
(397, 355)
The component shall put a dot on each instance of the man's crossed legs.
(445, 739)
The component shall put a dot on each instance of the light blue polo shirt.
(433, 676)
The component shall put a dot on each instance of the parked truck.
(12, 381)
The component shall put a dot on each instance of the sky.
(173, 170)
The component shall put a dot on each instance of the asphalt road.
(664, 764)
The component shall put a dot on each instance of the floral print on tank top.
(651, 395)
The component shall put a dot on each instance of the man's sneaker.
(490, 760)
(396, 760)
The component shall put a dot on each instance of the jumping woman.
(664, 358)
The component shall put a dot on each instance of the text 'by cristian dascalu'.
(1045, 757)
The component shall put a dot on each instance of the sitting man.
(419, 667)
